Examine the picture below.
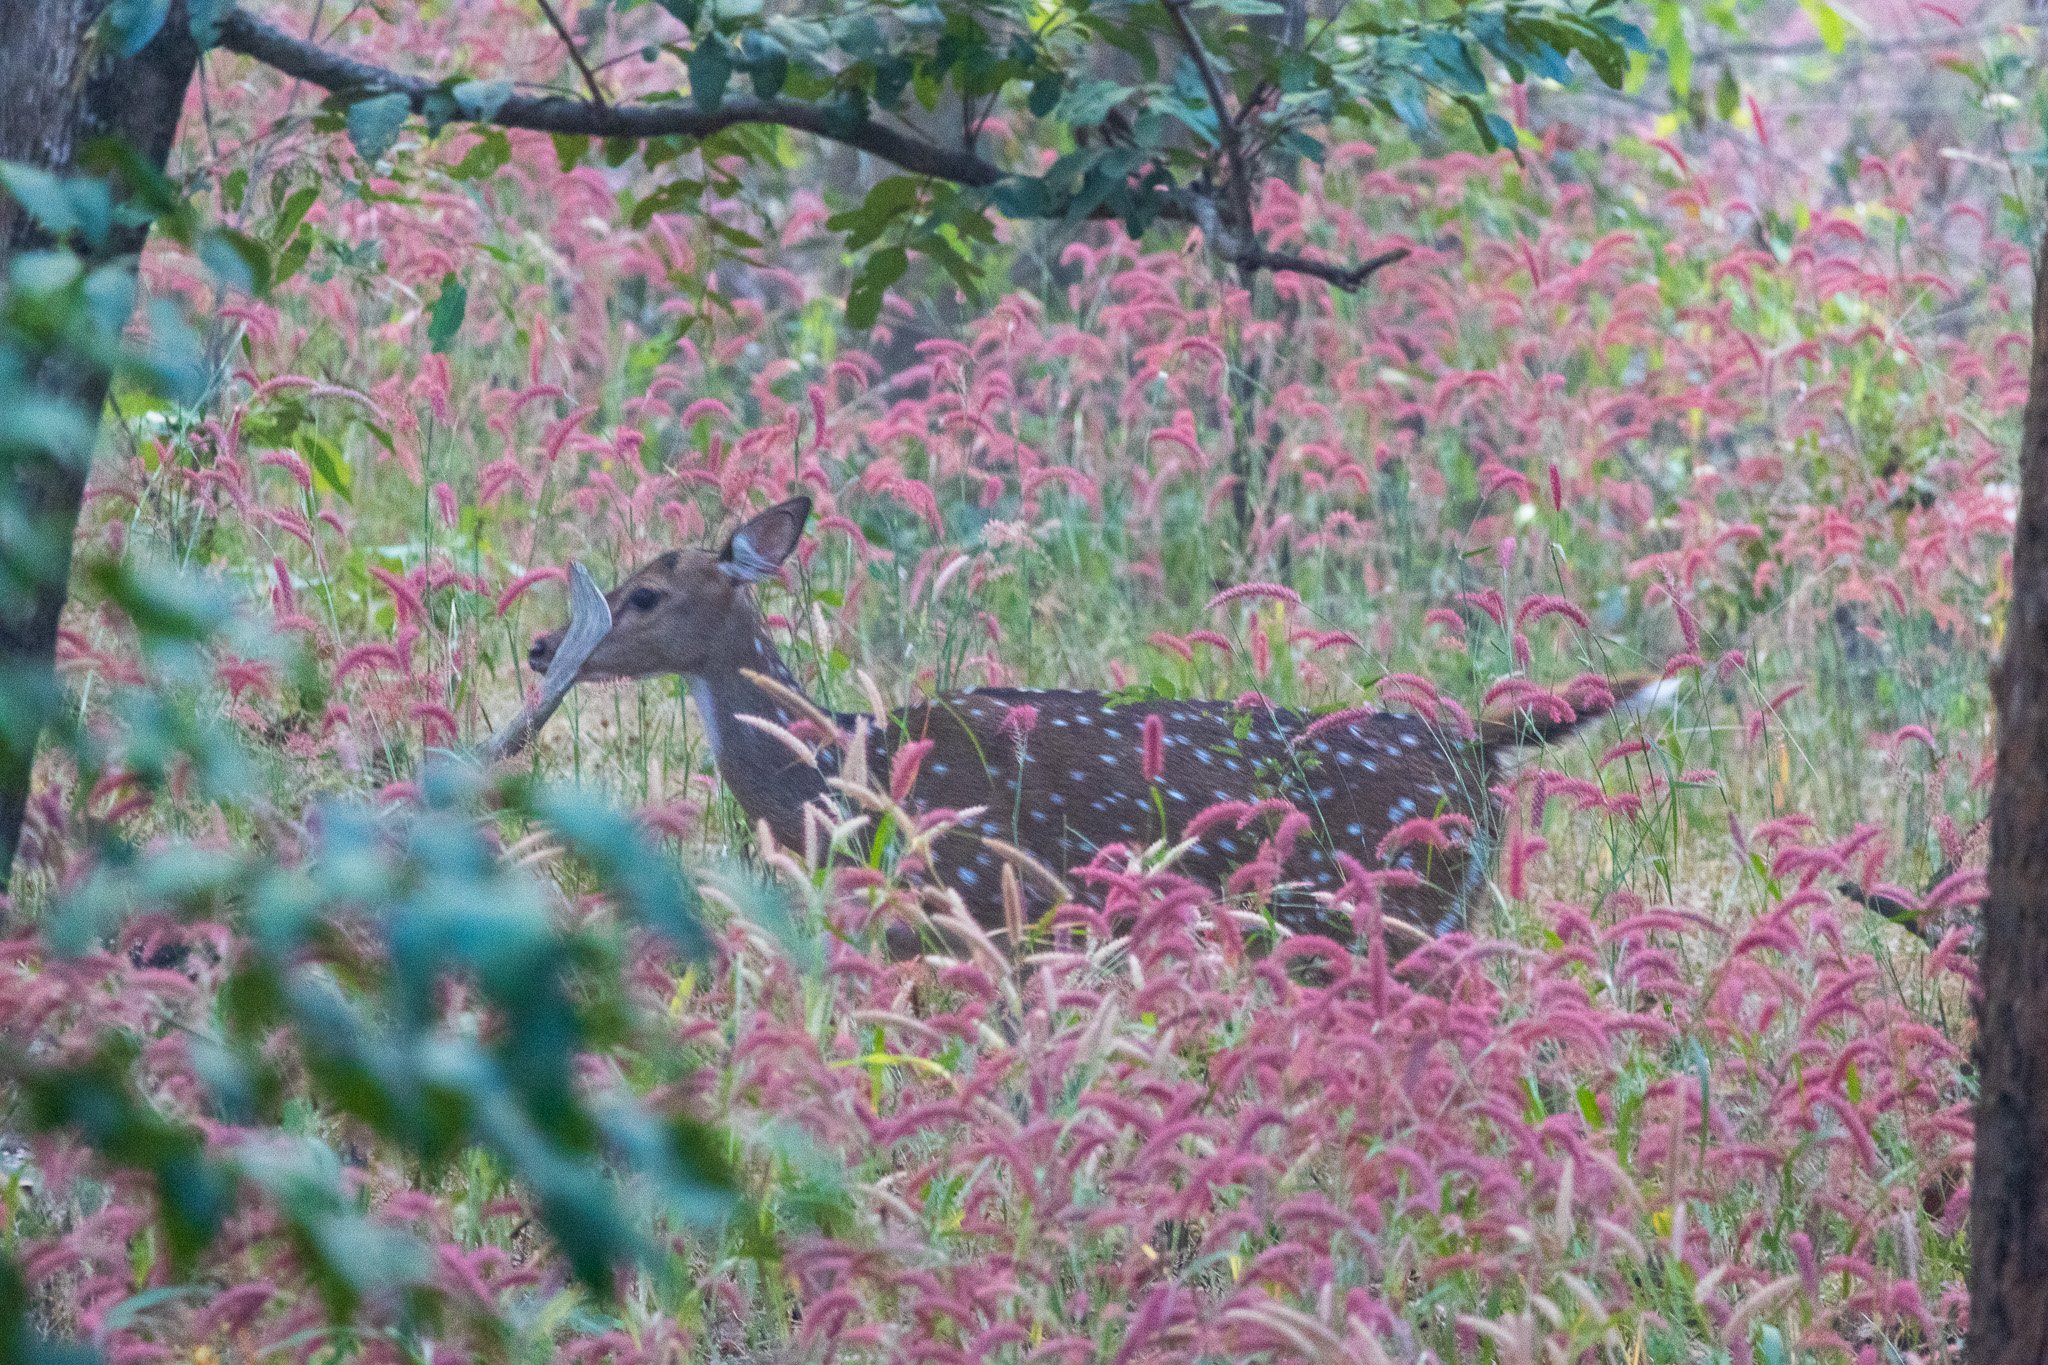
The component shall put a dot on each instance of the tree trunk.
(57, 95)
(2009, 1190)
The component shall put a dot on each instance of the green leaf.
(330, 470)
(438, 109)
(374, 123)
(632, 869)
(236, 259)
(293, 212)
(1667, 30)
(132, 23)
(94, 1101)
(1022, 196)
(46, 197)
(570, 149)
(676, 194)
(1088, 103)
(206, 17)
(1828, 23)
(888, 201)
(710, 72)
(767, 63)
(892, 76)
(489, 154)
(1589, 1108)
(292, 258)
(481, 100)
(1404, 95)
(685, 11)
(1045, 93)
(864, 300)
(446, 318)
(1727, 94)
(165, 607)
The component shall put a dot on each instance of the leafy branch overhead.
(1151, 112)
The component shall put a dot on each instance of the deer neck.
(767, 779)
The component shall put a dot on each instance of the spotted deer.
(1062, 775)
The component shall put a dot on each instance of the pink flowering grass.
(1673, 1098)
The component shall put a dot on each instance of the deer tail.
(1631, 694)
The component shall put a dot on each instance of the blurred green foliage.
(360, 931)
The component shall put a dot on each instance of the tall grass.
(1693, 404)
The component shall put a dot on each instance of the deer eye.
(643, 599)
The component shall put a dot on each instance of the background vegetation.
(1721, 372)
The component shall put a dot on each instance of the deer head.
(688, 611)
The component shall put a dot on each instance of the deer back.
(1062, 775)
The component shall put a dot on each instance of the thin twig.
(1236, 175)
(575, 53)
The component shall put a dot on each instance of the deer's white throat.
(707, 711)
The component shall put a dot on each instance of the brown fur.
(1072, 783)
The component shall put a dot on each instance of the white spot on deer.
(1227, 845)
(1323, 747)
(1039, 816)
(1409, 739)
(1230, 763)
(988, 827)
(1056, 799)
(1128, 829)
(1203, 756)
(938, 770)
(1354, 830)
(1110, 734)
(1082, 719)
(1174, 794)
(1060, 721)
(966, 874)
(1076, 775)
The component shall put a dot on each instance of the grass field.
(1735, 402)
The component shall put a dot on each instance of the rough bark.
(58, 94)
(2009, 1190)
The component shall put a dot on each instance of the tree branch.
(1349, 278)
(1236, 176)
(243, 33)
(575, 52)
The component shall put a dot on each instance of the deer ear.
(758, 548)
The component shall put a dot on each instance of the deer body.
(1063, 775)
